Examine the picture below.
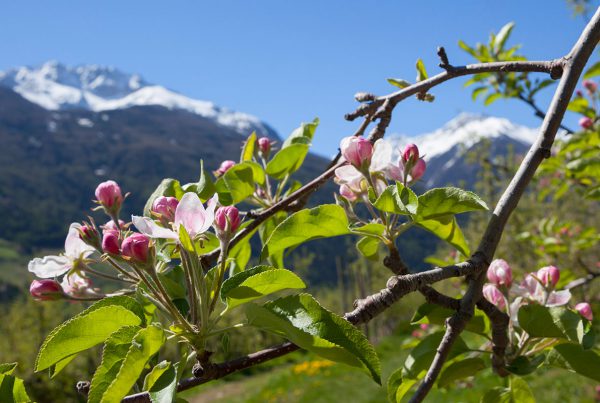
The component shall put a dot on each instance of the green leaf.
(581, 105)
(89, 328)
(168, 187)
(304, 322)
(265, 231)
(437, 315)
(371, 229)
(523, 365)
(161, 383)
(325, 221)
(467, 49)
(447, 228)
(574, 358)
(398, 199)
(557, 322)
(240, 179)
(287, 160)
(7, 368)
(460, 370)
(397, 386)
(249, 146)
(368, 247)
(257, 282)
(449, 200)
(502, 37)
(592, 71)
(303, 134)
(144, 345)
(422, 355)
(497, 395)
(490, 99)
(115, 350)
(520, 391)
(398, 82)
(204, 188)
(421, 72)
(12, 390)
(478, 91)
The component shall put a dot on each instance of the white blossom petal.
(209, 218)
(49, 266)
(148, 227)
(75, 248)
(191, 213)
(382, 156)
(557, 298)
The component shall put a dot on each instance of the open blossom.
(227, 218)
(500, 273)
(189, 212)
(357, 151)
(585, 310)
(75, 285)
(111, 242)
(348, 193)
(109, 195)
(224, 167)
(136, 247)
(75, 251)
(394, 168)
(533, 290)
(45, 290)
(165, 206)
(494, 295)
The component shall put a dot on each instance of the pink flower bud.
(110, 226)
(264, 145)
(549, 276)
(111, 242)
(418, 170)
(590, 85)
(109, 195)
(165, 206)
(348, 193)
(500, 273)
(89, 235)
(578, 94)
(224, 167)
(410, 153)
(225, 215)
(494, 295)
(585, 310)
(136, 247)
(45, 290)
(357, 150)
(586, 123)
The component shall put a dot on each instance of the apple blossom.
(494, 295)
(586, 123)
(224, 167)
(165, 207)
(417, 170)
(590, 85)
(357, 151)
(500, 273)
(190, 213)
(531, 289)
(111, 242)
(348, 193)
(75, 285)
(109, 195)
(549, 276)
(75, 251)
(585, 310)
(136, 247)
(410, 153)
(46, 290)
(264, 145)
(110, 226)
(227, 219)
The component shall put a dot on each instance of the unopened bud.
(136, 247)
(410, 153)
(46, 290)
(494, 295)
(111, 226)
(348, 193)
(111, 242)
(549, 276)
(224, 167)
(590, 85)
(586, 123)
(227, 219)
(500, 273)
(89, 234)
(165, 207)
(418, 170)
(357, 150)
(109, 195)
(264, 145)
(585, 310)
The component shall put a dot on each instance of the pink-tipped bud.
(494, 295)
(264, 145)
(585, 310)
(348, 193)
(136, 247)
(111, 226)
(590, 85)
(89, 234)
(227, 219)
(586, 123)
(111, 242)
(410, 153)
(418, 170)
(499, 273)
(224, 167)
(45, 290)
(165, 206)
(549, 276)
(109, 195)
(357, 151)
(578, 94)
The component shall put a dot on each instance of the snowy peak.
(55, 86)
(466, 130)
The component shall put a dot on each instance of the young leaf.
(7, 368)
(574, 358)
(592, 71)
(557, 322)
(368, 247)
(397, 199)
(144, 345)
(397, 386)
(287, 160)
(115, 350)
(520, 390)
(443, 201)
(161, 382)
(325, 221)
(502, 37)
(398, 82)
(374, 230)
(256, 283)
(304, 322)
(240, 180)
(249, 146)
(168, 187)
(491, 98)
(12, 389)
(90, 327)
(446, 228)
(304, 133)
(460, 370)
(421, 72)
(204, 188)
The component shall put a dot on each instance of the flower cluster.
(590, 95)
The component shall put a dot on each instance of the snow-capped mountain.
(444, 148)
(54, 86)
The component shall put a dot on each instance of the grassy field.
(310, 379)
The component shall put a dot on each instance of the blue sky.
(287, 62)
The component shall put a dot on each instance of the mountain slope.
(54, 86)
